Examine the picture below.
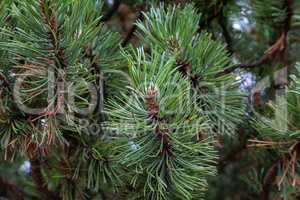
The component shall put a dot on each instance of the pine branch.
(184, 67)
(93, 59)
(277, 47)
(18, 192)
(153, 110)
(38, 181)
(50, 21)
(166, 147)
(268, 179)
(288, 161)
(269, 53)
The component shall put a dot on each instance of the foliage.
(163, 108)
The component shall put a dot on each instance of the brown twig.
(93, 59)
(277, 47)
(288, 161)
(60, 61)
(268, 179)
(259, 143)
(51, 22)
(269, 53)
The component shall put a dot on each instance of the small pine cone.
(151, 104)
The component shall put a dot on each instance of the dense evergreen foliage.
(153, 100)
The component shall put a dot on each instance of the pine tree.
(149, 99)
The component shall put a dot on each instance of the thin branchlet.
(48, 16)
(277, 47)
(153, 110)
(184, 66)
(163, 135)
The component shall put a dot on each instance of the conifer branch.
(161, 134)
(268, 179)
(93, 59)
(288, 162)
(277, 47)
(49, 18)
(50, 21)
(184, 67)
(153, 109)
